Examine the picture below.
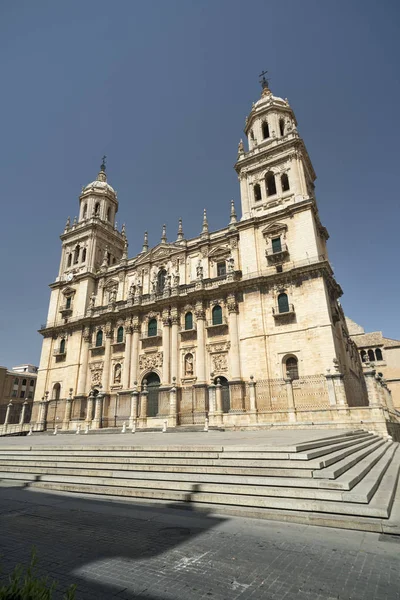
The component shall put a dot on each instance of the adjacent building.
(17, 385)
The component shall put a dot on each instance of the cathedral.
(240, 327)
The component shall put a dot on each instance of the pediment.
(110, 284)
(274, 228)
(219, 251)
(68, 291)
(160, 252)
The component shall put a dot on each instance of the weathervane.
(103, 164)
(264, 81)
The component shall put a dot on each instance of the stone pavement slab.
(196, 438)
(116, 550)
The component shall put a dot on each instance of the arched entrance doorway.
(153, 384)
(226, 400)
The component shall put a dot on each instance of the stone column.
(211, 398)
(174, 343)
(172, 419)
(81, 387)
(9, 407)
(22, 415)
(143, 405)
(134, 406)
(290, 399)
(127, 360)
(135, 349)
(234, 352)
(105, 381)
(218, 402)
(89, 408)
(166, 348)
(331, 389)
(244, 194)
(68, 411)
(96, 423)
(252, 395)
(373, 396)
(42, 416)
(340, 392)
(201, 346)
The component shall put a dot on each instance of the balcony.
(283, 314)
(189, 334)
(97, 350)
(65, 310)
(217, 328)
(59, 352)
(151, 340)
(274, 256)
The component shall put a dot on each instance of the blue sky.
(163, 88)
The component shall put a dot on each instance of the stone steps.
(352, 476)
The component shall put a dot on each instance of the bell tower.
(276, 171)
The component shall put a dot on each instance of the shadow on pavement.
(105, 547)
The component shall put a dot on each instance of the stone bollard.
(55, 429)
(164, 427)
(87, 428)
(123, 427)
(78, 429)
(206, 424)
(30, 430)
(134, 426)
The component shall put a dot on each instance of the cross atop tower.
(263, 80)
(103, 164)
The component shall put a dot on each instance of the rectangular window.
(22, 394)
(221, 269)
(68, 302)
(276, 245)
(14, 393)
(30, 394)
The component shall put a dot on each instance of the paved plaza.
(270, 437)
(124, 551)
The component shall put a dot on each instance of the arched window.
(285, 182)
(270, 184)
(99, 338)
(120, 335)
(283, 303)
(76, 254)
(62, 346)
(281, 127)
(371, 355)
(69, 260)
(16, 381)
(84, 212)
(265, 130)
(97, 209)
(56, 391)
(162, 274)
(83, 255)
(108, 214)
(152, 328)
(363, 355)
(378, 354)
(24, 382)
(117, 373)
(189, 320)
(217, 315)
(292, 368)
(68, 302)
(31, 383)
(257, 192)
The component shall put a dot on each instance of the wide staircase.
(347, 480)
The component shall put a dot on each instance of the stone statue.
(92, 300)
(231, 264)
(154, 285)
(241, 147)
(112, 297)
(175, 279)
(199, 270)
(131, 291)
(189, 364)
(117, 374)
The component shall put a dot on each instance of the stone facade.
(192, 328)
(17, 388)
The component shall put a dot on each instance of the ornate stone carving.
(150, 361)
(189, 364)
(199, 311)
(231, 303)
(174, 316)
(219, 362)
(96, 370)
(86, 334)
(218, 347)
